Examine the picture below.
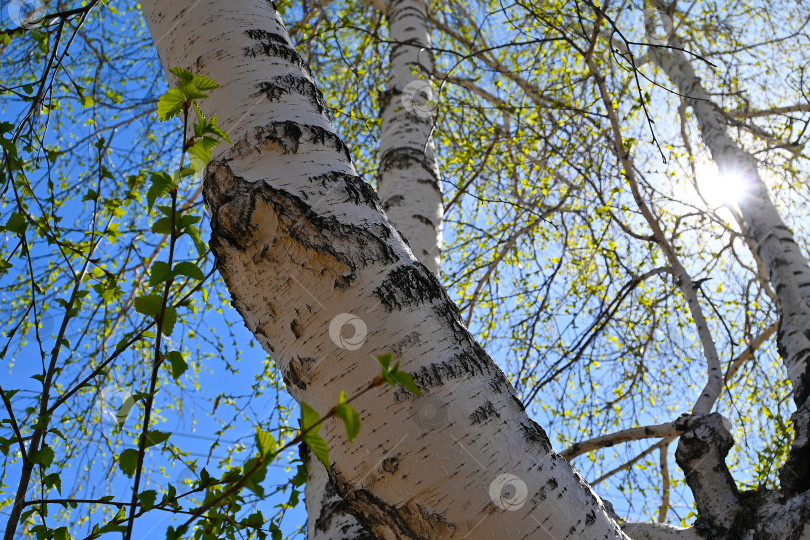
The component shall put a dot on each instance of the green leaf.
(162, 226)
(350, 418)
(161, 183)
(149, 304)
(169, 320)
(156, 437)
(216, 130)
(176, 534)
(191, 91)
(310, 417)
(128, 461)
(183, 74)
(178, 364)
(170, 104)
(318, 446)
(394, 376)
(200, 153)
(61, 533)
(86, 101)
(16, 223)
(187, 220)
(194, 233)
(204, 83)
(189, 269)
(147, 498)
(159, 273)
(266, 442)
(256, 478)
(44, 456)
(385, 360)
(53, 480)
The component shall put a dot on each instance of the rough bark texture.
(786, 264)
(408, 175)
(304, 248)
(328, 516)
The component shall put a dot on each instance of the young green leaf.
(394, 376)
(310, 417)
(350, 418)
(188, 269)
(183, 74)
(44, 456)
(159, 273)
(156, 437)
(170, 103)
(178, 364)
(161, 183)
(149, 304)
(265, 442)
(169, 320)
(147, 498)
(318, 446)
(53, 480)
(128, 461)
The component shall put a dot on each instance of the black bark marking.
(484, 412)
(464, 364)
(391, 464)
(424, 220)
(277, 87)
(410, 520)
(297, 373)
(391, 202)
(296, 329)
(535, 434)
(357, 191)
(408, 158)
(233, 202)
(407, 286)
(274, 46)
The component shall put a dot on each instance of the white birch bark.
(301, 242)
(408, 175)
(408, 185)
(786, 264)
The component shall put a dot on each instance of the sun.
(719, 189)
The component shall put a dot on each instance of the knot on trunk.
(701, 455)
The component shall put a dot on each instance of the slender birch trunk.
(325, 283)
(786, 264)
(408, 175)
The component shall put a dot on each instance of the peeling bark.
(302, 243)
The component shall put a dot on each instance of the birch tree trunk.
(408, 175)
(408, 185)
(786, 264)
(325, 283)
